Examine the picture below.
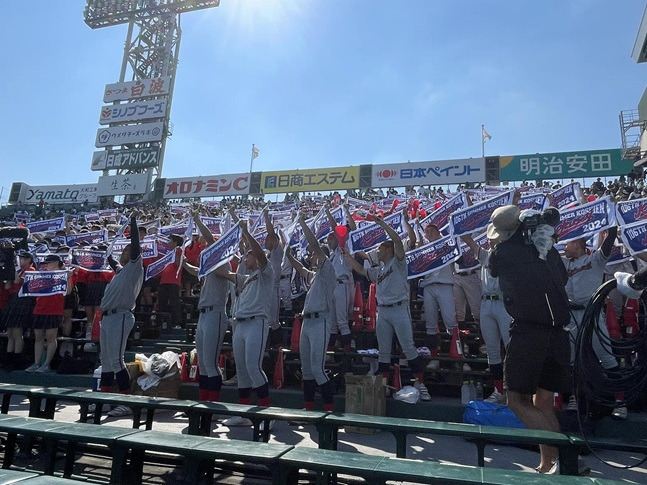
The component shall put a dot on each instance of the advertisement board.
(136, 89)
(437, 172)
(207, 186)
(315, 180)
(121, 135)
(126, 159)
(58, 194)
(135, 111)
(128, 184)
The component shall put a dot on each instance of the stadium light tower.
(138, 121)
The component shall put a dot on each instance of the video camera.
(533, 219)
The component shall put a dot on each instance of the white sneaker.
(496, 397)
(433, 365)
(571, 405)
(33, 368)
(237, 421)
(119, 411)
(44, 368)
(467, 368)
(262, 425)
(583, 468)
(231, 382)
(620, 412)
(554, 470)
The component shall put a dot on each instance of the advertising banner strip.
(156, 267)
(373, 235)
(432, 256)
(630, 211)
(126, 159)
(477, 217)
(207, 186)
(579, 164)
(43, 283)
(137, 89)
(437, 172)
(314, 180)
(148, 246)
(50, 225)
(121, 135)
(585, 220)
(220, 252)
(135, 111)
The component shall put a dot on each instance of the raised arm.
(410, 232)
(310, 237)
(272, 239)
(204, 230)
(472, 244)
(349, 218)
(358, 268)
(135, 249)
(607, 244)
(296, 264)
(253, 245)
(398, 247)
(232, 213)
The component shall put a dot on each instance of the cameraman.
(532, 279)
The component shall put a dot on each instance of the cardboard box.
(167, 387)
(365, 395)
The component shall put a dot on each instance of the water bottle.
(465, 392)
(479, 391)
(472, 391)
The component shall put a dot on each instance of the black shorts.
(72, 301)
(537, 357)
(45, 322)
(18, 313)
(152, 283)
(94, 293)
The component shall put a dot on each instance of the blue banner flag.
(96, 237)
(535, 201)
(634, 236)
(630, 211)
(432, 256)
(50, 225)
(477, 217)
(440, 217)
(220, 252)
(89, 260)
(585, 220)
(373, 235)
(568, 195)
(156, 267)
(43, 283)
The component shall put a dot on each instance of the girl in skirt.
(18, 314)
(48, 317)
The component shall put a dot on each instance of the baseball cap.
(25, 254)
(52, 258)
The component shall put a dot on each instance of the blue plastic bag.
(491, 414)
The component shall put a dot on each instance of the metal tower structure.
(150, 56)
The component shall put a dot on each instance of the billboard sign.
(580, 164)
(439, 172)
(121, 135)
(126, 159)
(137, 89)
(209, 186)
(129, 184)
(58, 194)
(135, 111)
(314, 180)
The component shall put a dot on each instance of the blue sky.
(328, 83)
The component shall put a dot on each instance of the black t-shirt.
(533, 289)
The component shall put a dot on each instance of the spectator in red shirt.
(48, 317)
(168, 294)
(192, 256)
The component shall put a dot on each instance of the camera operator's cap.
(52, 258)
(505, 221)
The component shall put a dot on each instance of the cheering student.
(318, 318)
(118, 319)
(212, 322)
(18, 314)
(48, 317)
(253, 308)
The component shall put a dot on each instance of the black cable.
(604, 386)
